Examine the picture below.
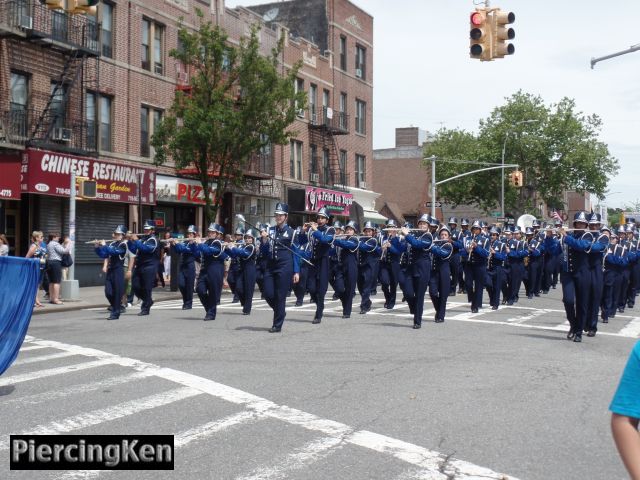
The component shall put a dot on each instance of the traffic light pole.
(633, 48)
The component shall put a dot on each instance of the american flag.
(556, 216)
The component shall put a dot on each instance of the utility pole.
(632, 48)
(70, 288)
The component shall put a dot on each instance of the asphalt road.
(362, 398)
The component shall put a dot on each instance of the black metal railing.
(336, 122)
(39, 22)
(260, 165)
(328, 178)
(14, 126)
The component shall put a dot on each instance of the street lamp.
(504, 146)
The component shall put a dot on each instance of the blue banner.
(19, 279)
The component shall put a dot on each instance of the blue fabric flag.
(19, 279)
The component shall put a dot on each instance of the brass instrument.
(398, 229)
(177, 240)
(91, 242)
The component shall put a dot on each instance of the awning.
(374, 216)
(10, 178)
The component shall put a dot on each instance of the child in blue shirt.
(625, 408)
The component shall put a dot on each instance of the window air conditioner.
(363, 185)
(26, 22)
(301, 112)
(63, 134)
(359, 72)
(315, 177)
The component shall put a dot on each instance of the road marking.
(33, 347)
(25, 377)
(524, 318)
(310, 453)
(193, 385)
(631, 329)
(43, 358)
(96, 417)
(79, 388)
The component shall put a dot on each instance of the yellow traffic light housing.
(500, 33)
(516, 179)
(480, 42)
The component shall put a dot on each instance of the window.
(152, 34)
(343, 167)
(149, 120)
(361, 57)
(296, 159)
(98, 118)
(361, 117)
(58, 107)
(343, 111)
(59, 27)
(299, 87)
(106, 37)
(343, 53)
(313, 94)
(314, 161)
(326, 173)
(105, 123)
(18, 104)
(361, 176)
(325, 99)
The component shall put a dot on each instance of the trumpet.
(91, 242)
(177, 240)
(398, 229)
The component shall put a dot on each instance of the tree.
(556, 147)
(238, 102)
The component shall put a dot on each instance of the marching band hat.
(446, 228)
(629, 229)
(239, 231)
(528, 231)
(476, 224)
(149, 225)
(580, 216)
(425, 217)
(557, 222)
(192, 229)
(535, 223)
(494, 231)
(464, 221)
(338, 224)
(508, 230)
(281, 209)
(351, 224)
(220, 229)
(368, 225)
(212, 227)
(613, 235)
(408, 225)
(391, 223)
(604, 228)
(453, 220)
(433, 221)
(323, 212)
(251, 232)
(594, 219)
(120, 229)
(517, 229)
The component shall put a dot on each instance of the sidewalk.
(93, 297)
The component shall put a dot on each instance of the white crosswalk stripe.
(333, 435)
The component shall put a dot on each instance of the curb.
(74, 306)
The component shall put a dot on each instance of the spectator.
(37, 251)
(625, 408)
(65, 270)
(4, 246)
(55, 251)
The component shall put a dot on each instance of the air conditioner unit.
(363, 185)
(315, 177)
(26, 22)
(301, 112)
(157, 68)
(359, 72)
(62, 134)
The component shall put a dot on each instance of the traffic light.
(480, 35)
(500, 33)
(54, 4)
(516, 178)
(86, 6)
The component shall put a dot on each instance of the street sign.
(495, 214)
(501, 219)
(431, 204)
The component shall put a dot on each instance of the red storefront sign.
(9, 177)
(49, 173)
(337, 203)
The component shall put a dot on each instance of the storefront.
(255, 199)
(46, 185)
(305, 202)
(180, 203)
(10, 166)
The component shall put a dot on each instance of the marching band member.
(336, 278)
(275, 246)
(517, 253)
(368, 254)
(534, 267)
(614, 262)
(146, 266)
(478, 248)
(419, 270)
(507, 235)
(261, 261)
(321, 238)
(495, 268)
(234, 267)
(596, 257)
(575, 276)
(211, 278)
(246, 254)
(114, 282)
(626, 273)
(401, 246)
(440, 279)
(187, 274)
(634, 266)
(300, 288)
(389, 266)
(464, 255)
(349, 261)
(454, 262)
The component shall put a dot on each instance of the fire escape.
(60, 47)
(327, 168)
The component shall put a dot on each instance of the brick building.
(84, 93)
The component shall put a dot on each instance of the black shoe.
(510, 302)
(439, 320)
(346, 316)
(474, 310)
(246, 313)
(185, 307)
(386, 305)
(235, 300)
(536, 294)
(335, 297)
(553, 287)
(591, 333)
(113, 317)
(530, 297)
(494, 307)
(416, 326)
(570, 335)
(403, 300)
(362, 311)
(316, 321)
(298, 304)
(605, 320)
(453, 293)
(274, 330)
(629, 305)
(209, 317)
(143, 313)
(123, 309)
(620, 309)
(577, 338)
(504, 302)
(109, 308)
(545, 291)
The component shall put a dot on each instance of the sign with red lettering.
(49, 173)
(10, 177)
(337, 203)
(182, 190)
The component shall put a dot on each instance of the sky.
(423, 76)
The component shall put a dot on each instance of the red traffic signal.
(480, 35)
